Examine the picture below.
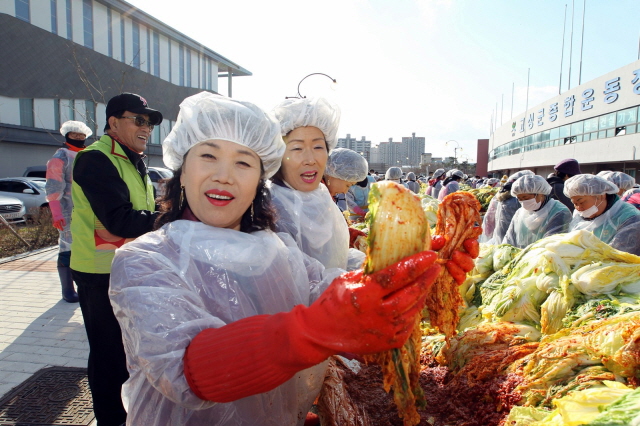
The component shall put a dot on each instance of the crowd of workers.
(220, 302)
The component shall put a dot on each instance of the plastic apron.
(619, 226)
(58, 187)
(316, 225)
(169, 285)
(528, 227)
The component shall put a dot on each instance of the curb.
(27, 254)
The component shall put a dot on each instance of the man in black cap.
(113, 203)
(563, 170)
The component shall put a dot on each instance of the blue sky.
(433, 67)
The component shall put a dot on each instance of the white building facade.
(597, 123)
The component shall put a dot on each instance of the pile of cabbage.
(567, 309)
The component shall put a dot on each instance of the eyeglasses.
(140, 121)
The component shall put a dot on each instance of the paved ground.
(37, 328)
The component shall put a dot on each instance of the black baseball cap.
(134, 103)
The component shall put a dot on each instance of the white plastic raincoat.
(619, 226)
(316, 225)
(169, 285)
(58, 187)
(527, 227)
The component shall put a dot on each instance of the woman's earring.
(252, 212)
(182, 197)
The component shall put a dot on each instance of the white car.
(158, 176)
(12, 209)
(29, 190)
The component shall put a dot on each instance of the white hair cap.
(438, 173)
(75, 126)
(579, 185)
(315, 112)
(621, 180)
(530, 185)
(347, 165)
(457, 173)
(205, 117)
(514, 177)
(393, 173)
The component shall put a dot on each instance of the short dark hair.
(264, 214)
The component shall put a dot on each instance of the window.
(56, 113)
(621, 131)
(608, 121)
(630, 172)
(87, 22)
(591, 124)
(135, 30)
(122, 58)
(181, 65)
(54, 16)
(631, 129)
(577, 128)
(69, 22)
(26, 112)
(22, 10)
(71, 110)
(565, 131)
(554, 133)
(109, 33)
(90, 118)
(594, 136)
(148, 50)
(169, 58)
(544, 136)
(188, 68)
(156, 54)
(626, 116)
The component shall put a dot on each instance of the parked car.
(158, 176)
(29, 190)
(12, 209)
(35, 171)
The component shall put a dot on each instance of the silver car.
(12, 209)
(29, 190)
(158, 176)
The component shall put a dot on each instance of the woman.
(500, 211)
(216, 309)
(435, 184)
(539, 215)
(58, 189)
(305, 208)
(394, 174)
(345, 170)
(451, 184)
(623, 181)
(599, 209)
(411, 183)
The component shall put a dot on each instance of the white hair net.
(438, 173)
(530, 185)
(347, 165)
(316, 112)
(492, 181)
(588, 185)
(75, 126)
(514, 177)
(411, 176)
(456, 172)
(393, 173)
(621, 180)
(206, 116)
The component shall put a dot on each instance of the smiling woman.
(225, 322)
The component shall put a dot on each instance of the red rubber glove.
(358, 314)
(353, 235)
(460, 262)
(56, 213)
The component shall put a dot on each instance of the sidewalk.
(37, 328)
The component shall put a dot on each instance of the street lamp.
(455, 150)
(313, 73)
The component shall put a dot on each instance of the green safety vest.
(93, 247)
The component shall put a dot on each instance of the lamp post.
(455, 150)
(304, 78)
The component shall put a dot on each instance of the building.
(64, 59)
(406, 153)
(362, 146)
(596, 123)
(412, 147)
